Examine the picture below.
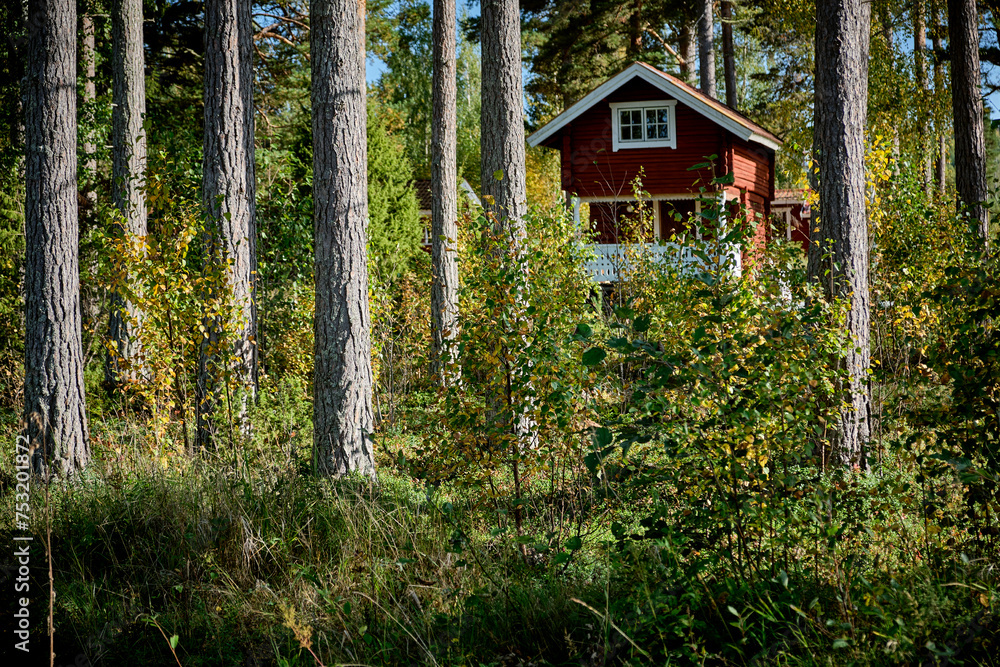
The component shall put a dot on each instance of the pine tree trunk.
(342, 405)
(706, 48)
(55, 414)
(19, 50)
(128, 172)
(838, 251)
(687, 47)
(633, 51)
(967, 108)
(229, 192)
(444, 192)
(503, 157)
(88, 49)
(502, 123)
(729, 55)
(920, 73)
(940, 88)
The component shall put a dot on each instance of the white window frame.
(618, 144)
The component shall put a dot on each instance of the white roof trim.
(644, 73)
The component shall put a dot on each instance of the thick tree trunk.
(128, 172)
(706, 48)
(229, 191)
(729, 55)
(55, 415)
(342, 405)
(687, 46)
(838, 251)
(967, 108)
(502, 154)
(444, 192)
(502, 122)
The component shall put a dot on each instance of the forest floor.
(245, 558)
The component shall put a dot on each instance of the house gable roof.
(712, 109)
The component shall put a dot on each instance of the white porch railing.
(609, 258)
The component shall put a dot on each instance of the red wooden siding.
(598, 171)
(591, 168)
(752, 168)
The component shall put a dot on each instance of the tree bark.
(54, 410)
(502, 122)
(729, 55)
(967, 109)
(88, 51)
(228, 192)
(633, 51)
(502, 155)
(939, 89)
(128, 173)
(687, 47)
(838, 251)
(920, 74)
(342, 407)
(19, 51)
(706, 48)
(444, 193)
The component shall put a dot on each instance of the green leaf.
(583, 331)
(641, 323)
(574, 543)
(498, 174)
(602, 437)
(841, 643)
(593, 356)
(174, 640)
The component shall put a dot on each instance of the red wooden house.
(645, 122)
(792, 213)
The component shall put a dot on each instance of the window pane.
(664, 116)
(664, 132)
(637, 117)
(626, 131)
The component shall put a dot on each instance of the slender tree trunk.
(687, 47)
(503, 158)
(942, 164)
(920, 74)
(19, 49)
(967, 108)
(444, 193)
(229, 192)
(940, 89)
(634, 48)
(54, 410)
(706, 48)
(342, 405)
(729, 55)
(128, 173)
(838, 251)
(88, 50)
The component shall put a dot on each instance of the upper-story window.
(644, 124)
